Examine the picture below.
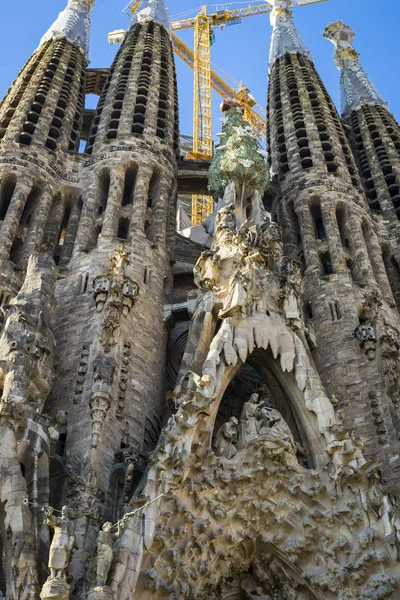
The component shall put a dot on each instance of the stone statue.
(119, 258)
(226, 439)
(274, 424)
(226, 218)
(346, 452)
(249, 426)
(236, 298)
(63, 541)
(105, 541)
(253, 591)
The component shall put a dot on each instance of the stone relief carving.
(105, 542)
(26, 377)
(123, 379)
(253, 495)
(253, 591)
(63, 541)
(62, 545)
(366, 335)
(27, 342)
(100, 398)
(84, 496)
(82, 372)
(226, 439)
(114, 295)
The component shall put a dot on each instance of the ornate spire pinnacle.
(152, 10)
(285, 37)
(356, 88)
(73, 23)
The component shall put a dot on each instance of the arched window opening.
(176, 348)
(104, 189)
(16, 250)
(341, 221)
(7, 189)
(308, 312)
(129, 186)
(255, 377)
(294, 223)
(326, 263)
(393, 272)
(30, 204)
(62, 234)
(153, 190)
(83, 283)
(334, 307)
(151, 206)
(319, 226)
(123, 229)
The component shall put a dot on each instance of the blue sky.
(240, 50)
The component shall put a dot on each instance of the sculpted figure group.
(259, 419)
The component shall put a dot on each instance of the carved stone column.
(378, 266)
(310, 250)
(12, 219)
(72, 229)
(140, 199)
(111, 215)
(160, 211)
(34, 238)
(332, 233)
(358, 246)
(85, 235)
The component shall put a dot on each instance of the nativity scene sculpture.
(231, 498)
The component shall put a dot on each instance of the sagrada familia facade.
(187, 421)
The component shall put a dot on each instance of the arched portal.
(256, 376)
(261, 368)
(265, 574)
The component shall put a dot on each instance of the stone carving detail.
(82, 372)
(378, 417)
(253, 591)
(84, 497)
(249, 424)
(62, 545)
(390, 349)
(252, 493)
(27, 343)
(100, 398)
(226, 439)
(105, 542)
(357, 89)
(63, 541)
(114, 295)
(123, 379)
(366, 335)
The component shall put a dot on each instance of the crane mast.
(203, 25)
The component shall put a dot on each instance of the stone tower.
(40, 123)
(270, 469)
(327, 223)
(375, 138)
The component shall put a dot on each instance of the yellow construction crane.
(206, 79)
(219, 83)
(204, 25)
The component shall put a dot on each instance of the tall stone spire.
(73, 23)
(152, 10)
(285, 37)
(357, 90)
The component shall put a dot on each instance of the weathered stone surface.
(271, 470)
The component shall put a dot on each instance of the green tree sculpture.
(238, 158)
